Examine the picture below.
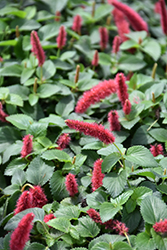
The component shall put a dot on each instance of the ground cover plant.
(83, 135)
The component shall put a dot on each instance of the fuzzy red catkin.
(156, 149)
(39, 197)
(63, 141)
(103, 37)
(122, 87)
(24, 202)
(96, 94)
(160, 227)
(95, 60)
(134, 18)
(94, 215)
(27, 145)
(97, 175)
(127, 107)
(163, 13)
(92, 129)
(21, 234)
(113, 121)
(77, 23)
(61, 39)
(37, 48)
(71, 184)
(3, 115)
(116, 44)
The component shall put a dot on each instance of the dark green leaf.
(108, 211)
(87, 227)
(36, 246)
(159, 134)
(54, 154)
(21, 121)
(65, 105)
(57, 185)
(109, 161)
(160, 242)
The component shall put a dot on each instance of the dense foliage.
(83, 135)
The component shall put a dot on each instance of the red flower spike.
(134, 18)
(157, 8)
(3, 115)
(27, 145)
(21, 234)
(61, 39)
(37, 48)
(96, 94)
(113, 121)
(97, 175)
(156, 149)
(120, 227)
(94, 215)
(92, 129)
(48, 217)
(24, 202)
(103, 37)
(160, 227)
(1, 59)
(39, 197)
(58, 16)
(121, 23)
(77, 23)
(163, 13)
(122, 88)
(116, 44)
(71, 184)
(63, 141)
(95, 60)
(127, 107)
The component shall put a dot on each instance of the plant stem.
(58, 53)
(123, 160)
(41, 75)
(127, 239)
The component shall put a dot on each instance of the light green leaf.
(21, 121)
(38, 172)
(122, 246)
(108, 211)
(141, 156)
(37, 129)
(4, 92)
(95, 199)
(19, 177)
(13, 70)
(9, 10)
(61, 224)
(144, 242)
(14, 100)
(121, 199)
(109, 161)
(33, 99)
(153, 209)
(108, 238)
(36, 246)
(70, 212)
(17, 163)
(48, 70)
(8, 43)
(159, 134)
(87, 227)
(101, 246)
(153, 49)
(46, 90)
(65, 105)
(26, 74)
(13, 222)
(57, 185)
(131, 62)
(13, 149)
(160, 242)
(56, 154)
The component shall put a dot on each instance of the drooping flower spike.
(121, 23)
(94, 215)
(163, 12)
(48, 217)
(37, 48)
(24, 202)
(21, 234)
(71, 184)
(61, 39)
(97, 175)
(95, 60)
(113, 121)
(116, 44)
(127, 107)
(92, 129)
(39, 197)
(134, 18)
(96, 94)
(27, 145)
(122, 87)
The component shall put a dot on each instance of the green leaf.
(67, 55)
(93, 145)
(13, 149)
(61, 224)
(104, 59)
(162, 188)
(102, 11)
(140, 193)
(159, 134)
(131, 62)
(101, 246)
(121, 199)
(144, 242)
(108, 238)
(70, 212)
(16, 164)
(145, 172)
(8, 136)
(95, 199)
(129, 44)
(4, 92)
(14, 100)
(8, 43)
(153, 49)
(13, 70)
(26, 74)
(141, 156)
(110, 161)
(87, 227)
(21, 121)
(25, 25)
(37, 129)
(142, 137)
(131, 219)
(36, 246)
(136, 35)
(122, 246)
(48, 70)
(9, 10)
(115, 183)
(33, 99)
(17, 89)
(57, 185)
(38, 172)
(49, 30)
(11, 189)
(56, 154)
(46, 90)
(65, 105)
(19, 177)
(153, 209)
(129, 124)
(160, 242)
(13, 222)
(108, 211)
